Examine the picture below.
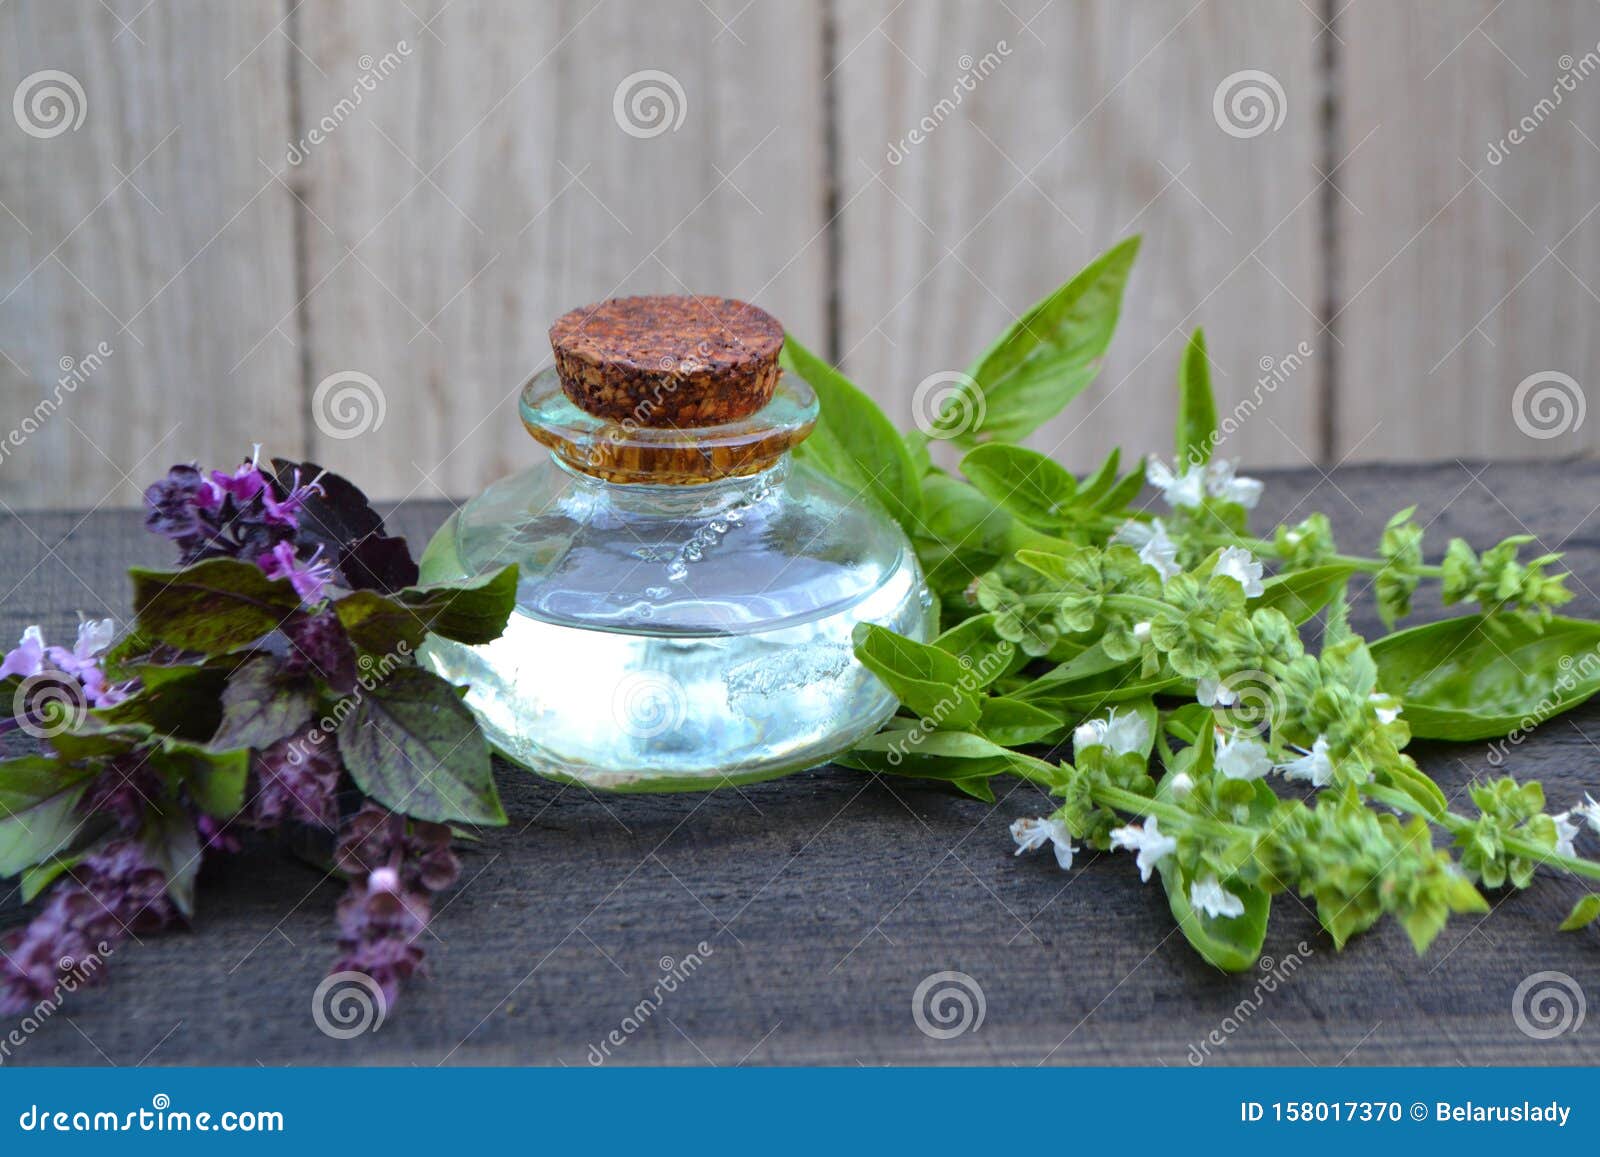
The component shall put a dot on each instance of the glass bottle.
(687, 590)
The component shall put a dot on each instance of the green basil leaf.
(172, 845)
(1127, 489)
(1585, 912)
(927, 680)
(214, 777)
(1099, 484)
(1197, 409)
(941, 745)
(962, 534)
(182, 701)
(981, 652)
(39, 877)
(1035, 488)
(414, 746)
(854, 441)
(977, 788)
(214, 606)
(260, 706)
(1012, 723)
(473, 612)
(1232, 944)
(1481, 677)
(38, 801)
(1048, 356)
(1301, 594)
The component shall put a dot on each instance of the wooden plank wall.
(471, 179)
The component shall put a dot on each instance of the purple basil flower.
(243, 514)
(111, 894)
(319, 646)
(77, 669)
(394, 865)
(296, 779)
(310, 578)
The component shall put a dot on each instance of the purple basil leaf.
(342, 520)
(261, 705)
(378, 562)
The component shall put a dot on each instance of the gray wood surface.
(481, 185)
(827, 897)
(1467, 261)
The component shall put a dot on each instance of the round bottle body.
(678, 637)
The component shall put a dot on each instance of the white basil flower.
(1181, 491)
(1036, 833)
(1221, 483)
(1243, 567)
(1566, 832)
(1215, 693)
(1151, 541)
(1386, 706)
(1241, 757)
(1182, 785)
(1588, 811)
(1118, 734)
(1313, 767)
(1210, 897)
(1141, 632)
(1148, 841)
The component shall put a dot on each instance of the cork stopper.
(668, 361)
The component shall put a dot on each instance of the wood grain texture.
(486, 187)
(1464, 275)
(152, 228)
(1045, 163)
(826, 898)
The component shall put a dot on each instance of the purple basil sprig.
(226, 711)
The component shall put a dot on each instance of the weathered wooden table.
(826, 898)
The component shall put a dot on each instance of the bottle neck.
(705, 498)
